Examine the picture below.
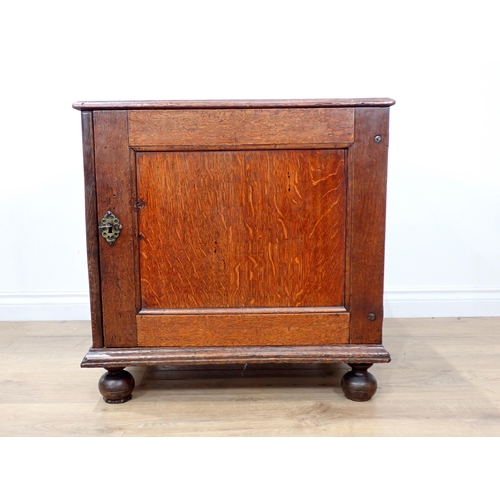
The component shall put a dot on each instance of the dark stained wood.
(238, 104)
(246, 229)
(359, 384)
(116, 386)
(116, 192)
(240, 126)
(368, 162)
(107, 358)
(91, 224)
(214, 330)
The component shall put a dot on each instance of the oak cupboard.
(235, 232)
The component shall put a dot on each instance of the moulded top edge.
(268, 103)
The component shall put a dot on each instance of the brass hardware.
(372, 316)
(110, 227)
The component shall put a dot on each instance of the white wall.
(439, 60)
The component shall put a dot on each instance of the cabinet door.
(242, 247)
(241, 227)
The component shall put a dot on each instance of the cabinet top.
(242, 104)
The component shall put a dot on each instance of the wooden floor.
(444, 380)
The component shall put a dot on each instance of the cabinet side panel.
(115, 192)
(91, 224)
(368, 162)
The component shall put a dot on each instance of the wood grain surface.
(242, 229)
(212, 330)
(160, 356)
(241, 126)
(238, 104)
(116, 192)
(91, 223)
(281, 227)
(442, 381)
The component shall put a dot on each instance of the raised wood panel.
(203, 330)
(115, 192)
(242, 126)
(242, 229)
(368, 167)
(91, 226)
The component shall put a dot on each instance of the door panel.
(231, 229)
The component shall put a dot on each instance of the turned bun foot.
(359, 384)
(116, 386)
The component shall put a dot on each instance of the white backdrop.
(438, 59)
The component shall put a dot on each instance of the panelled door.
(235, 226)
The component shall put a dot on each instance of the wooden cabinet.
(235, 232)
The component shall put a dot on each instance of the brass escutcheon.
(110, 227)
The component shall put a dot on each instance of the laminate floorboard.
(444, 380)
